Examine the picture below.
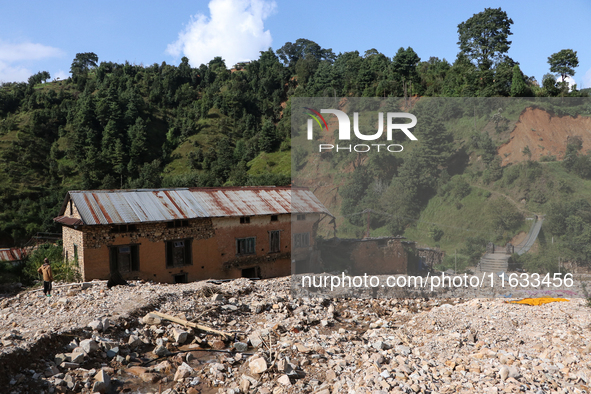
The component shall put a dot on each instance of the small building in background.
(186, 234)
(371, 256)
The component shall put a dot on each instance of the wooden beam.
(191, 324)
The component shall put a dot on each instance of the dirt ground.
(545, 135)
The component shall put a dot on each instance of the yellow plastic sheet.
(537, 301)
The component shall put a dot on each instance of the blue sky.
(46, 35)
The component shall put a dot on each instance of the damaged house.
(371, 256)
(187, 234)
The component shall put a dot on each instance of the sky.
(46, 35)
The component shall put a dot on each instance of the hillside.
(467, 181)
(127, 126)
(545, 134)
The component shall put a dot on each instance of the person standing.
(45, 269)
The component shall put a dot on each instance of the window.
(301, 217)
(301, 240)
(245, 220)
(124, 258)
(71, 208)
(178, 253)
(124, 228)
(245, 245)
(274, 245)
(274, 218)
(177, 223)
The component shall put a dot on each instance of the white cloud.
(13, 74)
(26, 51)
(570, 80)
(12, 57)
(233, 31)
(61, 74)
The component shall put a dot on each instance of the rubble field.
(89, 339)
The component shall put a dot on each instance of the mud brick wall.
(377, 257)
(431, 257)
(213, 246)
(151, 239)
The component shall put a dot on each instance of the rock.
(179, 335)
(405, 350)
(244, 385)
(151, 319)
(77, 357)
(89, 346)
(149, 377)
(160, 351)
(503, 373)
(217, 344)
(96, 325)
(240, 347)
(99, 387)
(302, 348)
(331, 375)
(255, 339)
(183, 371)
(284, 380)
(114, 351)
(378, 345)
(136, 370)
(218, 298)
(283, 366)
(134, 341)
(69, 365)
(258, 365)
(103, 377)
(51, 371)
(60, 358)
(164, 367)
(514, 372)
(106, 323)
(72, 345)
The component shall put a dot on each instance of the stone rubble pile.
(109, 341)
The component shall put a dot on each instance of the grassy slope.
(271, 163)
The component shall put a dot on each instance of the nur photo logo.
(344, 128)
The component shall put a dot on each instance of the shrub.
(62, 270)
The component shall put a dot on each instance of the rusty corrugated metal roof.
(11, 254)
(157, 205)
(68, 221)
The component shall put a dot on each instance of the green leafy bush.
(62, 270)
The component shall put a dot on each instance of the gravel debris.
(92, 339)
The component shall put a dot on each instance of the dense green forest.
(135, 126)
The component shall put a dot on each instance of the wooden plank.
(191, 324)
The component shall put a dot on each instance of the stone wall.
(70, 238)
(431, 257)
(102, 235)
